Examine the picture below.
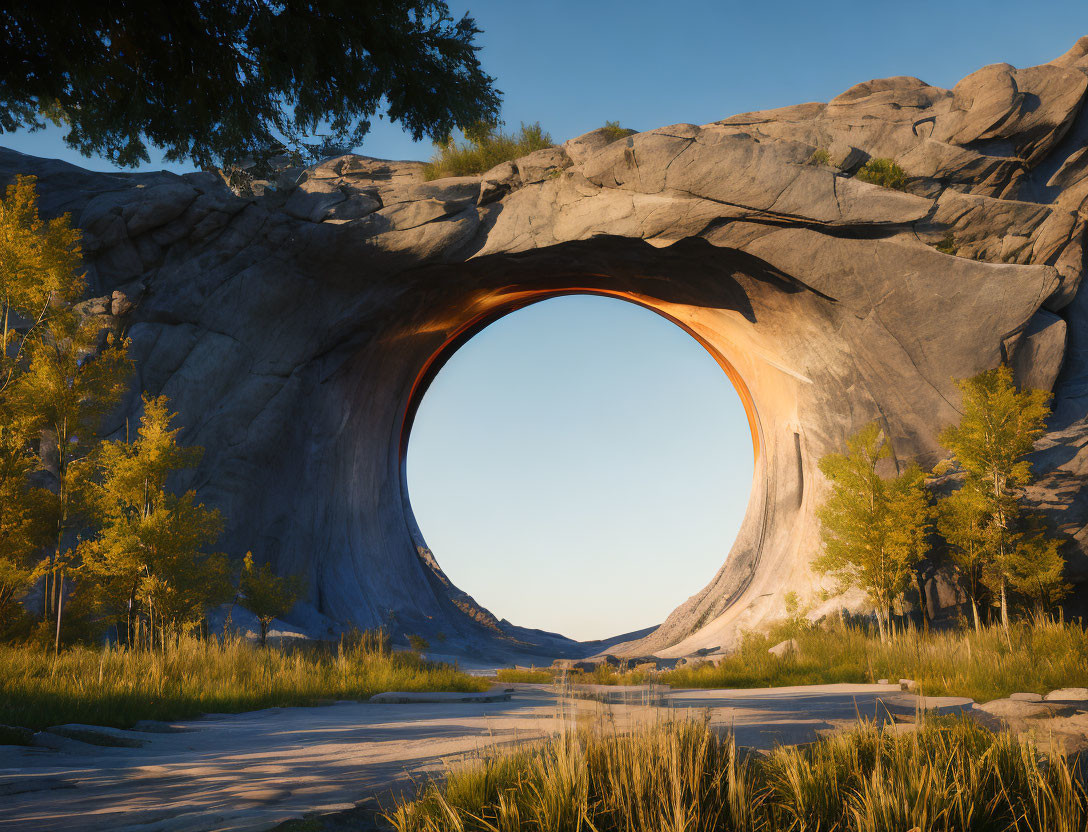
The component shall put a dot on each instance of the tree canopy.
(216, 81)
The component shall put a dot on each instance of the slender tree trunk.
(1004, 606)
(923, 602)
(973, 589)
(264, 632)
(880, 625)
(60, 610)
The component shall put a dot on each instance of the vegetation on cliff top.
(483, 147)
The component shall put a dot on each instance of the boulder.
(784, 648)
(1025, 697)
(1025, 709)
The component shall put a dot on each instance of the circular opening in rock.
(581, 466)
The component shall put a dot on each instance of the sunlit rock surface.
(296, 331)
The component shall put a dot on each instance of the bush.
(484, 147)
(820, 158)
(883, 172)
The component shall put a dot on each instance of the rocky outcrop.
(296, 331)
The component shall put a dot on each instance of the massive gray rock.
(296, 331)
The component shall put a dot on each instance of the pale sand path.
(252, 771)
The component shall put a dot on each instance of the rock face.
(297, 331)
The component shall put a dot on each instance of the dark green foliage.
(883, 172)
(217, 80)
(484, 146)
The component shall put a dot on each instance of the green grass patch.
(883, 172)
(681, 776)
(118, 687)
(820, 158)
(483, 148)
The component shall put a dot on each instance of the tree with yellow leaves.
(874, 529)
(990, 445)
(57, 379)
(69, 375)
(39, 268)
(962, 519)
(266, 594)
(149, 564)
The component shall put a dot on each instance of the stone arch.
(291, 325)
(496, 305)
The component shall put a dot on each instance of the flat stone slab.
(1021, 709)
(438, 697)
(1067, 695)
(154, 726)
(909, 704)
(97, 735)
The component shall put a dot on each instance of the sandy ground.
(255, 770)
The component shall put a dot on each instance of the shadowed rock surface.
(297, 331)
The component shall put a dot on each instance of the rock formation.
(296, 331)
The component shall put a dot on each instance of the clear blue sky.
(582, 465)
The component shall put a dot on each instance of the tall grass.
(118, 687)
(484, 149)
(531, 675)
(1036, 657)
(948, 776)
